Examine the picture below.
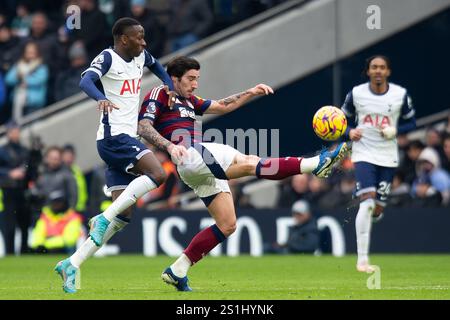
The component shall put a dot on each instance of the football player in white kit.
(381, 110)
(114, 81)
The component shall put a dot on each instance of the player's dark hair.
(370, 59)
(122, 24)
(178, 66)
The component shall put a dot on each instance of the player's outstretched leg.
(68, 274)
(328, 159)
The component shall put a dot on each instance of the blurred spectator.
(14, 158)
(69, 158)
(403, 143)
(2, 93)
(408, 167)
(94, 31)
(446, 164)
(49, 46)
(56, 176)
(341, 194)
(28, 77)
(303, 235)
(433, 139)
(400, 195)
(319, 189)
(241, 199)
(10, 48)
(58, 228)
(99, 197)
(293, 189)
(447, 127)
(166, 192)
(113, 10)
(190, 20)
(68, 79)
(154, 32)
(432, 185)
(21, 24)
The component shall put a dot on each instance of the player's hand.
(177, 152)
(172, 96)
(355, 134)
(106, 106)
(260, 90)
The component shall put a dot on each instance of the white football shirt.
(120, 82)
(373, 111)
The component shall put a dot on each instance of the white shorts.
(204, 169)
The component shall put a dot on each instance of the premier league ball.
(329, 123)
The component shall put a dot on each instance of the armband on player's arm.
(87, 84)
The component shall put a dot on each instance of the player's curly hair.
(370, 59)
(178, 66)
(119, 27)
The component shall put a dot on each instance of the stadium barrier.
(406, 230)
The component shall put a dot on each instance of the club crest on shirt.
(151, 107)
(98, 61)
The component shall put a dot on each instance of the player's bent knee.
(228, 229)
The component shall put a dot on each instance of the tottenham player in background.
(381, 110)
(114, 81)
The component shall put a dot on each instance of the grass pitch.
(225, 278)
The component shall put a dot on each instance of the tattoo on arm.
(146, 131)
(233, 98)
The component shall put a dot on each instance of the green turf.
(244, 277)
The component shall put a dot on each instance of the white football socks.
(307, 165)
(181, 266)
(363, 224)
(136, 189)
(88, 248)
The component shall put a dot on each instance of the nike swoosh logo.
(327, 163)
(119, 72)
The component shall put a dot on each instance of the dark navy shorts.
(373, 178)
(120, 154)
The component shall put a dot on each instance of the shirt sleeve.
(408, 110)
(349, 110)
(152, 105)
(200, 105)
(100, 65)
(157, 69)
(348, 107)
(98, 68)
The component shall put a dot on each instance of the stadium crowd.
(41, 56)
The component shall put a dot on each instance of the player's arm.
(158, 70)
(99, 67)
(407, 121)
(349, 110)
(149, 133)
(237, 100)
